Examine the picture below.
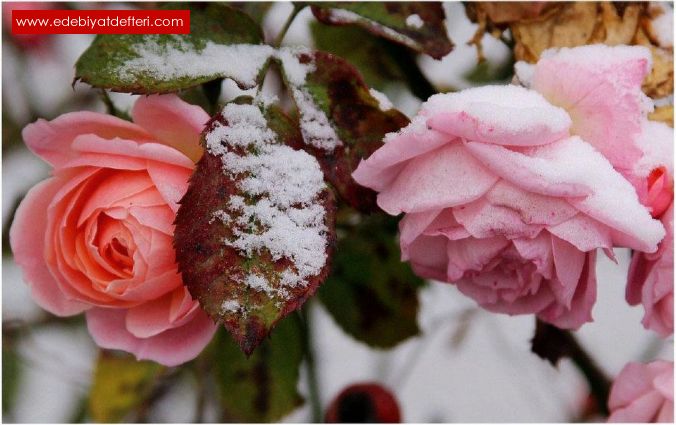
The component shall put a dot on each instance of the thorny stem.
(313, 383)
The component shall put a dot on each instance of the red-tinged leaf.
(340, 119)
(418, 25)
(255, 229)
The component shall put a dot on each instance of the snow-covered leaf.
(263, 387)
(418, 25)
(255, 229)
(370, 293)
(121, 384)
(223, 43)
(340, 119)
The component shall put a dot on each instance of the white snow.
(230, 306)
(414, 21)
(599, 53)
(657, 143)
(294, 70)
(180, 59)
(592, 185)
(281, 214)
(662, 27)
(258, 283)
(524, 71)
(314, 124)
(315, 127)
(509, 108)
(383, 102)
(450, 72)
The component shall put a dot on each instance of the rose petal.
(112, 153)
(600, 87)
(111, 189)
(472, 254)
(439, 179)
(170, 348)
(413, 225)
(583, 232)
(27, 239)
(503, 115)
(158, 315)
(53, 140)
(643, 409)
(572, 168)
(427, 255)
(484, 220)
(581, 305)
(383, 166)
(172, 121)
(171, 182)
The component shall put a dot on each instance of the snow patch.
(383, 102)
(230, 306)
(179, 58)
(315, 126)
(414, 21)
(281, 213)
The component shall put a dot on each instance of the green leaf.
(261, 388)
(255, 230)
(220, 36)
(370, 293)
(417, 25)
(11, 372)
(376, 66)
(341, 121)
(121, 384)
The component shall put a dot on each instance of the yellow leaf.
(663, 114)
(121, 383)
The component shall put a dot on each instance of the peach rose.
(501, 201)
(96, 237)
(643, 393)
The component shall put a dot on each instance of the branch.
(552, 343)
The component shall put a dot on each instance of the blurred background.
(466, 365)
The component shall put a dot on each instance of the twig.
(415, 79)
(552, 343)
(313, 383)
(297, 7)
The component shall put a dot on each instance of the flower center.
(116, 245)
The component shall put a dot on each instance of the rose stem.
(313, 381)
(552, 343)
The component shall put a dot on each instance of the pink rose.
(651, 282)
(502, 202)
(600, 88)
(651, 275)
(643, 393)
(97, 235)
